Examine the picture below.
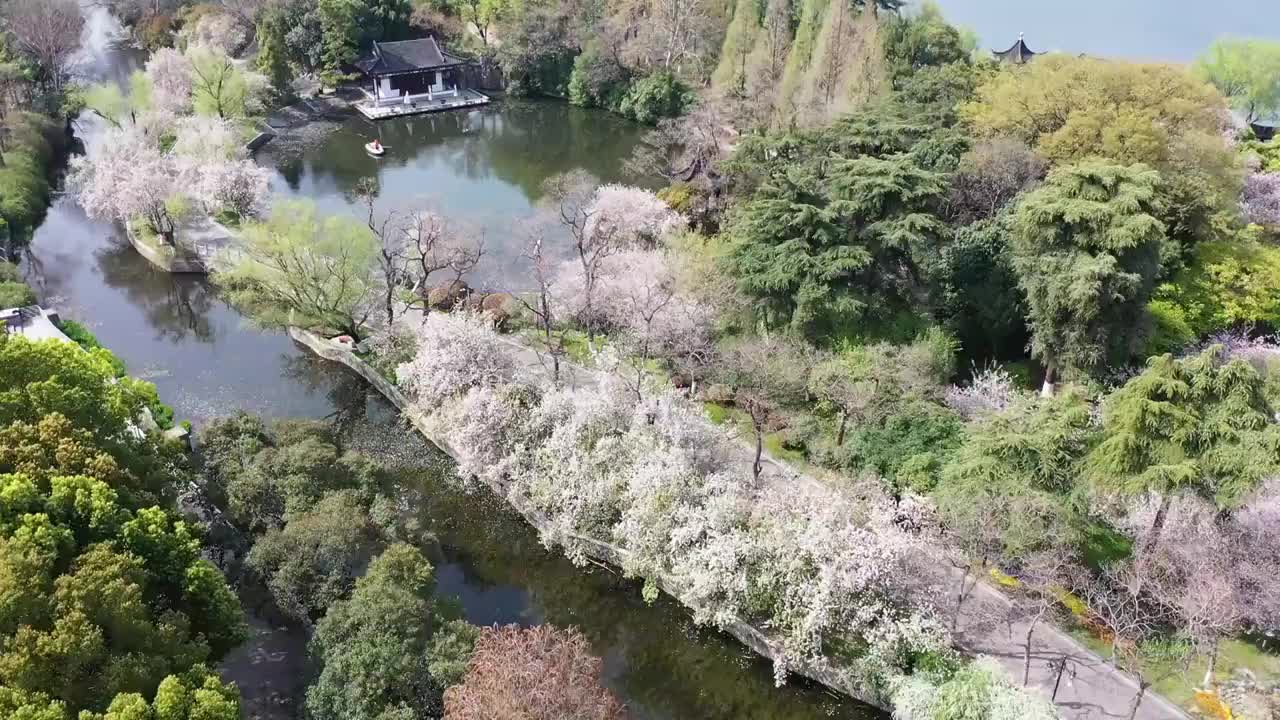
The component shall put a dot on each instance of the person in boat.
(376, 146)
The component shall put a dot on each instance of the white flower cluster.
(991, 390)
(656, 479)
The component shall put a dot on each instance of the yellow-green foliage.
(812, 13)
(1227, 283)
(1071, 108)
(738, 42)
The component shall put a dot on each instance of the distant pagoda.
(1018, 54)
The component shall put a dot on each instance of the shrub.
(657, 96)
(1226, 283)
(81, 336)
(15, 294)
(539, 673)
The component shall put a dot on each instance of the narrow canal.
(485, 168)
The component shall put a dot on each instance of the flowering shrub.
(1260, 200)
(455, 352)
(978, 690)
(633, 217)
(991, 390)
(635, 297)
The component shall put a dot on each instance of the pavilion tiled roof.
(402, 56)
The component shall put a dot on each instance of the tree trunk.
(1026, 655)
(758, 466)
(1062, 667)
(1137, 699)
(1047, 389)
(960, 596)
(1157, 525)
(1213, 665)
(844, 420)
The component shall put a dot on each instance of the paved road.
(1091, 689)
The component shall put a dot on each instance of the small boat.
(375, 148)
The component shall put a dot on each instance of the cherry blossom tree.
(632, 216)
(205, 139)
(455, 352)
(170, 73)
(540, 305)
(127, 180)
(220, 30)
(569, 198)
(241, 187)
(1260, 200)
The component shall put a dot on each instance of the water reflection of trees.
(663, 664)
(175, 306)
(520, 142)
(348, 393)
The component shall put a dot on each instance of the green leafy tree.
(1200, 425)
(1004, 494)
(1072, 109)
(218, 86)
(391, 649)
(18, 705)
(273, 50)
(1086, 249)
(1246, 71)
(819, 245)
(15, 294)
(299, 269)
(1227, 283)
(340, 37)
(923, 39)
(315, 559)
(49, 376)
(976, 290)
(194, 695)
(142, 473)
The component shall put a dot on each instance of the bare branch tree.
(47, 32)
(393, 245)
(436, 245)
(1043, 577)
(571, 196)
(541, 306)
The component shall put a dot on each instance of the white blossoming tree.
(455, 352)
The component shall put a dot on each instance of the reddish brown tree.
(540, 673)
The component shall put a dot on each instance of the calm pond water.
(1135, 29)
(485, 168)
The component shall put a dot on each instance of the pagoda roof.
(1018, 53)
(406, 56)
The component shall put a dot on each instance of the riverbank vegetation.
(1010, 320)
(37, 41)
(326, 539)
(110, 606)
